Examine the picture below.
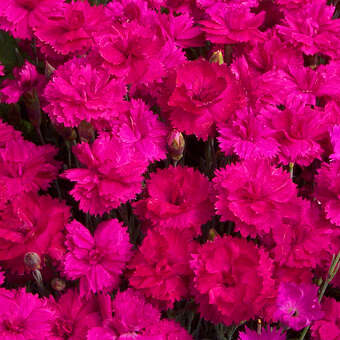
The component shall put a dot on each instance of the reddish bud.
(58, 284)
(176, 144)
(32, 261)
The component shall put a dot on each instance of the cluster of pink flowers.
(161, 155)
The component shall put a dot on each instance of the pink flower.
(26, 167)
(178, 197)
(124, 11)
(69, 28)
(327, 190)
(199, 102)
(98, 260)
(133, 316)
(32, 223)
(273, 54)
(161, 268)
(256, 193)
(132, 313)
(328, 327)
(80, 91)
(297, 305)
(335, 140)
(24, 316)
(248, 136)
(208, 3)
(292, 4)
(2, 70)
(7, 133)
(26, 79)
(20, 17)
(232, 23)
(312, 30)
(141, 129)
(232, 280)
(295, 83)
(299, 130)
(131, 52)
(181, 30)
(112, 175)
(167, 329)
(304, 241)
(74, 316)
(266, 334)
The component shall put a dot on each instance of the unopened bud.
(32, 261)
(217, 57)
(32, 105)
(176, 144)
(58, 284)
(49, 70)
(69, 134)
(212, 234)
(86, 132)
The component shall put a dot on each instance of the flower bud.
(49, 70)
(176, 144)
(69, 134)
(217, 57)
(32, 261)
(212, 234)
(32, 105)
(58, 284)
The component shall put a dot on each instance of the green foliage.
(9, 51)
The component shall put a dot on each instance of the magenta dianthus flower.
(299, 130)
(80, 91)
(198, 103)
(312, 29)
(20, 17)
(32, 223)
(264, 335)
(233, 280)
(161, 267)
(327, 190)
(248, 136)
(74, 316)
(131, 52)
(132, 317)
(98, 260)
(232, 23)
(255, 192)
(7, 133)
(141, 129)
(181, 30)
(112, 175)
(167, 329)
(26, 79)
(24, 316)
(328, 328)
(69, 28)
(26, 167)
(178, 197)
(297, 305)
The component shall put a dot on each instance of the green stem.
(333, 269)
(304, 332)
(291, 170)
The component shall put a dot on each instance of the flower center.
(29, 5)
(14, 326)
(95, 256)
(63, 328)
